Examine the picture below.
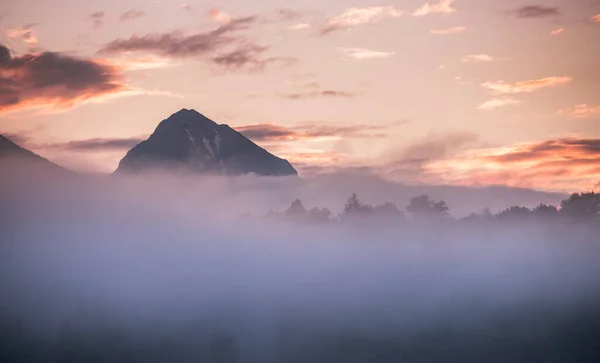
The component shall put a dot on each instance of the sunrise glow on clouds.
(294, 79)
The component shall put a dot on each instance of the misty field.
(150, 271)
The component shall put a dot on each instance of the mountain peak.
(190, 141)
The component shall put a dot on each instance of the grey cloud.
(536, 12)
(132, 14)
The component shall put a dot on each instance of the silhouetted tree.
(296, 209)
(317, 215)
(422, 207)
(546, 212)
(485, 217)
(355, 208)
(584, 206)
(353, 204)
(388, 211)
(515, 214)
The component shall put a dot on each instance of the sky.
(458, 92)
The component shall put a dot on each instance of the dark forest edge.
(578, 208)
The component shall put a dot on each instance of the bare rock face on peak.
(190, 142)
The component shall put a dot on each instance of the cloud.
(408, 163)
(536, 12)
(25, 34)
(352, 17)
(139, 63)
(317, 94)
(478, 58)
(186, 7)
(365, 54)
(596, 19)
(583, 111)
(219, 16)
(289, 14)
(223, 46)
(450, 31)
(498, 102)
(249, 56)
(95, 144)
(557, 31)
(299, 26)
(132, 14)
(443, 7)
(310, 131)
(526, 86)
(97, 19)
(177, 45)
(54, 80)
(563, 164)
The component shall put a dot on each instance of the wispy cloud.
(365, 54)
(443, 7)
(95, 144)
(557, 31)
(596, 19)
(311, 131)
(564, 164)
(289, 14)
(132, 14)
(25, 34)
(223, 46)
(186, 7)
(501, 91)
(409, 161)
(450, 31)
(583, 111)
(129, 63)
(352, 17)
(526, 86)
(299, 26)
(97, 19)
(321, 93)
(219, 16)
(535, 12)
(497, 103)
(479, 58)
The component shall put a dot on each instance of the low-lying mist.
(162, 269)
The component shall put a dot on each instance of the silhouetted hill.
(188, 141)
(16, 162)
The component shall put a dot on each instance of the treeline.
(579, 207)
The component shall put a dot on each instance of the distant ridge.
(189, 141)
(18, 161)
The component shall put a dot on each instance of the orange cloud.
(219, 16)
(526, 86)
(557, 31)
(310, 131)
(54, 80)
(596, 19)
(25, 34)
(443, 7)
(565, 164)
(450, 31)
